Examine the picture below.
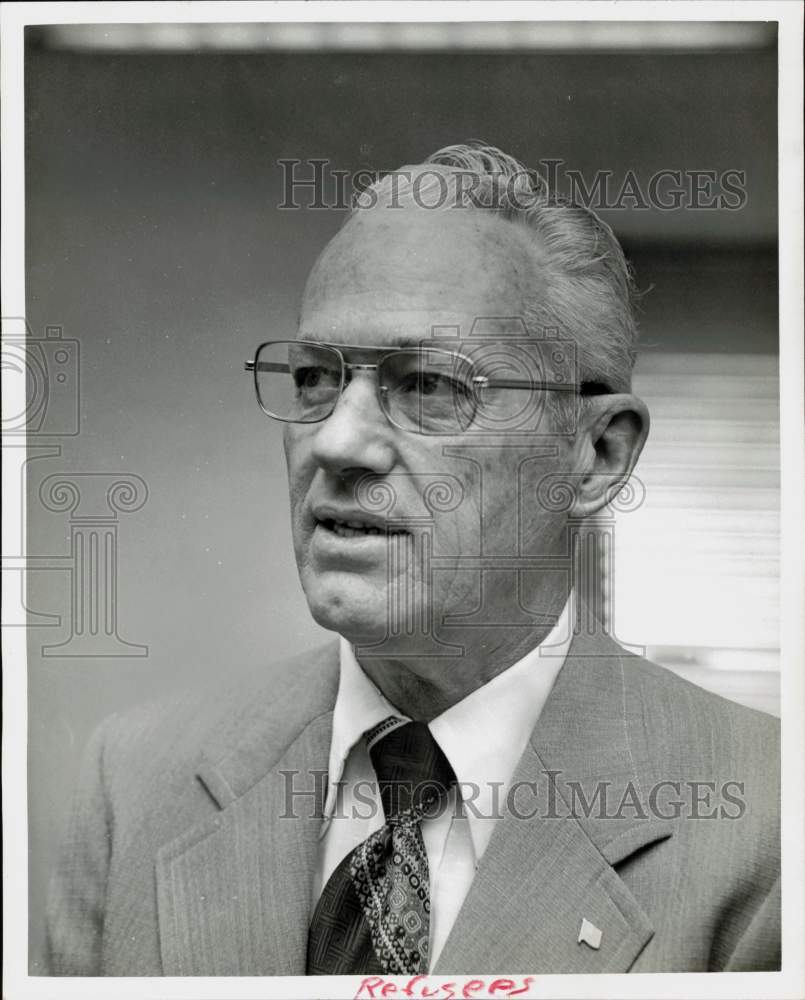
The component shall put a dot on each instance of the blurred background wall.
(154, 240)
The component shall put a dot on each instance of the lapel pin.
(589, 934)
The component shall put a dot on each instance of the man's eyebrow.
(425, 342)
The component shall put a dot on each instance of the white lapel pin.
(590, 934)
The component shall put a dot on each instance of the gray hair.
(589, 290)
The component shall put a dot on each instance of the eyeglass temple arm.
(583, 388)
(266, 366)
(482, 382)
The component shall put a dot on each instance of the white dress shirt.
(483, 736)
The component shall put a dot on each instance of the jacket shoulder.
(161, 742)
(690, 705)
(697, 735)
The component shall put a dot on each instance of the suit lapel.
(234, 892)
(549, 864)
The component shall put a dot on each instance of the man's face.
(389, 278)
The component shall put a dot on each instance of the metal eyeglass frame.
(479, 382)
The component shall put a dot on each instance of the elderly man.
(476, 777)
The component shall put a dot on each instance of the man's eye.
(314, 376)
(429, 384)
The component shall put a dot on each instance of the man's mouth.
(356, 529)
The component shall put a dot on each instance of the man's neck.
(424, 686)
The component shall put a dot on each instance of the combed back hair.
(586, 292)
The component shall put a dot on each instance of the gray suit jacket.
(181, 859)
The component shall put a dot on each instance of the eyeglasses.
(427, 390)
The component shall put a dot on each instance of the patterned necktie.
(374, 913)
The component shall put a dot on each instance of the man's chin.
(359, 623)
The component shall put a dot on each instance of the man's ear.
(612, 432)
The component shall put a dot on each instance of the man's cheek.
(458, 533)
(296, 443)
(299, 480)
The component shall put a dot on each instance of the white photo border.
(790, 982)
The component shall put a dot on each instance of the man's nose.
(356, 437)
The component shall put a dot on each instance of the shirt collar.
(359, 705)
(483, 735)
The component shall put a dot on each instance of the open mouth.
(357, 529)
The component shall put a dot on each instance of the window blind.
(696, 565)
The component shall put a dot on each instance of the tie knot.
(413, 773)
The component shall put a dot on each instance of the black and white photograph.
(402, 469)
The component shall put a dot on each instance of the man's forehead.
(408, 328)
(438, 267)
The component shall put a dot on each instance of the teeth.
(355, 529)
(352, 529)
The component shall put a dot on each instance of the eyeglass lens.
(427, 391)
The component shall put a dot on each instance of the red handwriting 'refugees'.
(425, 987)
